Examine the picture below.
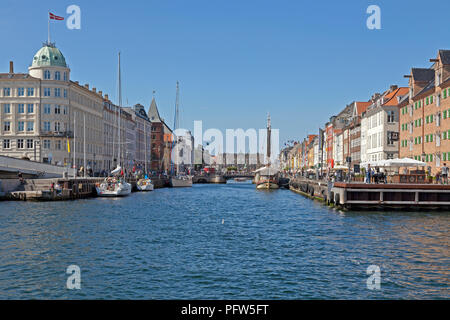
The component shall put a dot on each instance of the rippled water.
(219, 242)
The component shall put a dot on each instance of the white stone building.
(38, 110)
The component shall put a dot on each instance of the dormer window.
(47, 75)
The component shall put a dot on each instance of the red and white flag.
(55, 17)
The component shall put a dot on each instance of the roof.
(429, 86)
(153, 112)
(17, 76)
(49, 56)
(362, 106)
(422, 74)
(445, 56)
(391, 99)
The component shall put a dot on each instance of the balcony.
(57, 134)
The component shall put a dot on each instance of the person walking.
(444, 174)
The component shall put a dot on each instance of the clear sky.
(236, 60)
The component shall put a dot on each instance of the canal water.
(219, 242)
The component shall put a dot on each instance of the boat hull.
(148, 187)
(144, 185)
(267, 185)
(180, 183)
(122, 191)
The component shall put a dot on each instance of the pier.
(69, 188)
(370, 196)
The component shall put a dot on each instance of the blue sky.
(302, 61)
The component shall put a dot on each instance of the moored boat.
(180, 181)
(144, 185)
(113, 187)
(266, 178)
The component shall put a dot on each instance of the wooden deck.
(397, 195)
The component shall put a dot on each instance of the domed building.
(43, 114)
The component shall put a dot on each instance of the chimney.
(86, 85)
(11, 67)
(100, 93)
(394, 87)
(106, 97)
(94, 89)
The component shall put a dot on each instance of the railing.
(68, 134)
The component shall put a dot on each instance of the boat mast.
(84, 144)
(176, 121)
(118, 113)
(145, 143)
(269, 131)
(74, 143)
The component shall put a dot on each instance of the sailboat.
(115, 186)
(145, 184)
(179, 179)
(266, 178)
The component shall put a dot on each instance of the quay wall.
(311, 188)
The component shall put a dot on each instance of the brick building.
(424, 124)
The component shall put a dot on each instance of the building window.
(20, 92)
(6, 144)
(57, 92)
(47, 75)
(21, 126)
(47, 126)
(30, 92)
(19, 143)
(57, 126)
(46, 144)
(30, 126)
(65, 93)
(30, 108)
(58, 145)
(46, 109)
(7, 126)
(6, 92)
(57, 109)
(65, 76)
(7, 108)
(57, 75)
(21, 108)
(46, 92)
(390, 117)
(29, 143)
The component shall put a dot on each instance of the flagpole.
(48, 18)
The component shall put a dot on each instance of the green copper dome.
(49, 56)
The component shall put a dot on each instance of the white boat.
(145, 185)
(180, 181)
(113, 187)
